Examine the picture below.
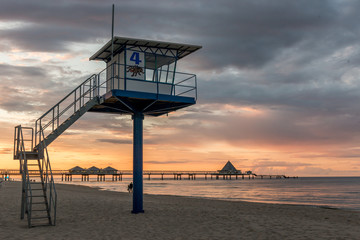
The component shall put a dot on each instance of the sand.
(88, 213)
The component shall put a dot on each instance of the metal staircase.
(39, 197)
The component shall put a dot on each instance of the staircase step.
(38, 196)
(39, 210)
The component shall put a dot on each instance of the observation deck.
(141, 76)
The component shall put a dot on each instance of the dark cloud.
(46, 38)
(7, 70)
(238, 33)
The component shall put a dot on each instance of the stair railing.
(26, 198)
(61, 111)
(48, 181)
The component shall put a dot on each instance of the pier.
(118, 175)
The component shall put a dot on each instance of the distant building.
(229, 169)
(93, 170)
(109, 170)
(77, 170)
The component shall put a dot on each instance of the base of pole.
(136, 212)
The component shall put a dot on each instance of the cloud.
(270, 163)
(6, 150)
(116, 141)
(166, 162)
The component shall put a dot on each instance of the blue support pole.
(138, 118)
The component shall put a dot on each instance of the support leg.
(138, 163)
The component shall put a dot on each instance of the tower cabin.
(140, 76)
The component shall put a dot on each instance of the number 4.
(135, 57)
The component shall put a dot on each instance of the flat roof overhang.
(151, 104)
(105, 52)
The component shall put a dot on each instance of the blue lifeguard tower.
(140, 79)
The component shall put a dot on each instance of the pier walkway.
(66, 175)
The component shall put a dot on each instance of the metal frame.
(45, 173)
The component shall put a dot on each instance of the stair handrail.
(49, 183)
(87, 91)
(26, 201)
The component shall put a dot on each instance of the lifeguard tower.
(140, 79)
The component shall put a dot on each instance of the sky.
(278, 83)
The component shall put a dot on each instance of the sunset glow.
(276, 94)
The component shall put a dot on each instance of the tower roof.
(228, 167)
(105, 52)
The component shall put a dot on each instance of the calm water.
(335, 192)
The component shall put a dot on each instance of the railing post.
(75, 101)
(53, 119)
(58, 111)
(112, 76)
(157, 82)
(40, 131)
(36, 132)
(80, 97)
(98, 85)
(195, 88)
(90, 89)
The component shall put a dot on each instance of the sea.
(326, 192)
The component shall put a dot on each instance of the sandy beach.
(88, 213)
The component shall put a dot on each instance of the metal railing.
(45, 173)
(26, 199)
(48, 182)
(114, 77)
(67, 106)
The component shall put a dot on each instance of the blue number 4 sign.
(135, 57)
